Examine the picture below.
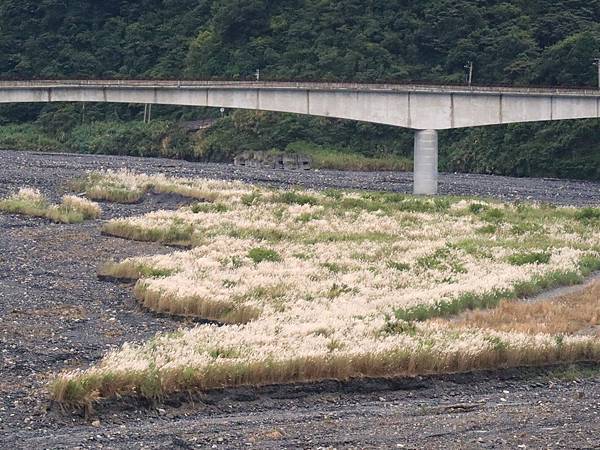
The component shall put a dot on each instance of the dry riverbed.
(56, 314)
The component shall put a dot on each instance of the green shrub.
(327, 157)
(134, 138)
(28, 137)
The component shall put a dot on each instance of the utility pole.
(469, 74)
(597, 64)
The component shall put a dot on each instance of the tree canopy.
(524, 42)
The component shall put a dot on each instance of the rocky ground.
(55, 313)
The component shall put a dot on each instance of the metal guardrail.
(316, 86)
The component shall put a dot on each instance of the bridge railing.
(329, 86)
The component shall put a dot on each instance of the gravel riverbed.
(56, 314)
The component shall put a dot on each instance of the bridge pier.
(425, 173)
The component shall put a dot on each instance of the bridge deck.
(360, 87)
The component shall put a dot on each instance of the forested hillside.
(510, 42)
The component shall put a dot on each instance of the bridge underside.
(423, 108)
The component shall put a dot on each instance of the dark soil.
(56, 314)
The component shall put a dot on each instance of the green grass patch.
(390, 202)
(262, 234)
(398, 326)
(296, 198)
(334, 267)
(251, 198)
(260, 254)
(494, 215)
(131, 270)
(588, 214)
(338, 289)
(521, 259)
(337, 159)
(15, 205)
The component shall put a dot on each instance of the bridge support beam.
(425, 174)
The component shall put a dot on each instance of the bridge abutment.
(425, 173)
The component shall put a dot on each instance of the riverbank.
(56, 314)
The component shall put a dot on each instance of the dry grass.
(132, 270)
(227, 312)
(174, 234)
(155, 384)
(570, 314)
(31, 202)
(127, 187)
(315, 285)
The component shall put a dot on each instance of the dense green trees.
(539, 42)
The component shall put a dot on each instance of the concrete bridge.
(423, 108)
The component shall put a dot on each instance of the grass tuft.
(132, 270)
(227, 312)
(31, 202)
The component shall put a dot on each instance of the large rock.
(273, 160)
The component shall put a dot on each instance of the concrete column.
(425, 181)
